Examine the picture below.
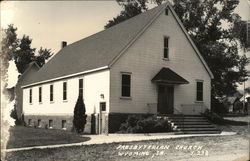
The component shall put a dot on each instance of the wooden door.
(165, 99)
(103, 119)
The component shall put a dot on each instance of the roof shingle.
(94, 51)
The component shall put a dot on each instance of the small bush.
(213, 117)
(18, 121)
(218, 107)
(79, 119)
(140, 124)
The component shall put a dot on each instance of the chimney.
(64, 43)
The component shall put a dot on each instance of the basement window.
(29, 122)
(39, 123)
(50, 124)
(64, 124)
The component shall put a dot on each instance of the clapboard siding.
(94, 84)
(144, 59)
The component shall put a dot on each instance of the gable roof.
(103, 49)
(166, 75)
(30, 65)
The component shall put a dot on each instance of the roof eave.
(66, 77)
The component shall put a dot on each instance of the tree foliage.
(247, 90)
(20, 50)
(214, 28)
(129, 10)
(24, 54)
(9, 44)
(241, 30)
(79, 119)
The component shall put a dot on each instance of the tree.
(241, 32)
(218, 45)
(79, 119)
(129, 10)
(247, 90)
(43, 55)
(18, 121)
(20, 51)
(24, 54)
(9, 45)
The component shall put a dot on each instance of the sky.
(49, 23)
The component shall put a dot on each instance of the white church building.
(145, 65)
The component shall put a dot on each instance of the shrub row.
(142, 124)
(213, 117)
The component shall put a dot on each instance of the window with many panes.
(64, 90)
(51, 88)
(126, 85)
(166, 50)
(199, 91)
(80, 87)
(30, 98)
(40, 94)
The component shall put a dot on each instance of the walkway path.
(117, 138)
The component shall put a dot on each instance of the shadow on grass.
(21, 136)
(233, 123)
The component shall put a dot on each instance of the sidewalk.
(118, 138)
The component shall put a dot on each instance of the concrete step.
(188, 120)
(199, 129)
(192, 123)
(198, 132)
(195, 126)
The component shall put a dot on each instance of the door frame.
(103, 118)
(158, 97)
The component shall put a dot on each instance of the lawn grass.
(215, 146)
(219, 147)
(21, 136)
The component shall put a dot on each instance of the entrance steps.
(192, 124)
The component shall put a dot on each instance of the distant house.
(230, 103)
(145, 65)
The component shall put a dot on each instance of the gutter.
(67, 76)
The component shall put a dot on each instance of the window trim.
(126, 97)
(66, 91)
(196, 91)
(40, 95)
(165, 47)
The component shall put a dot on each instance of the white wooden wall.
(144, 59)
(94, 84)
